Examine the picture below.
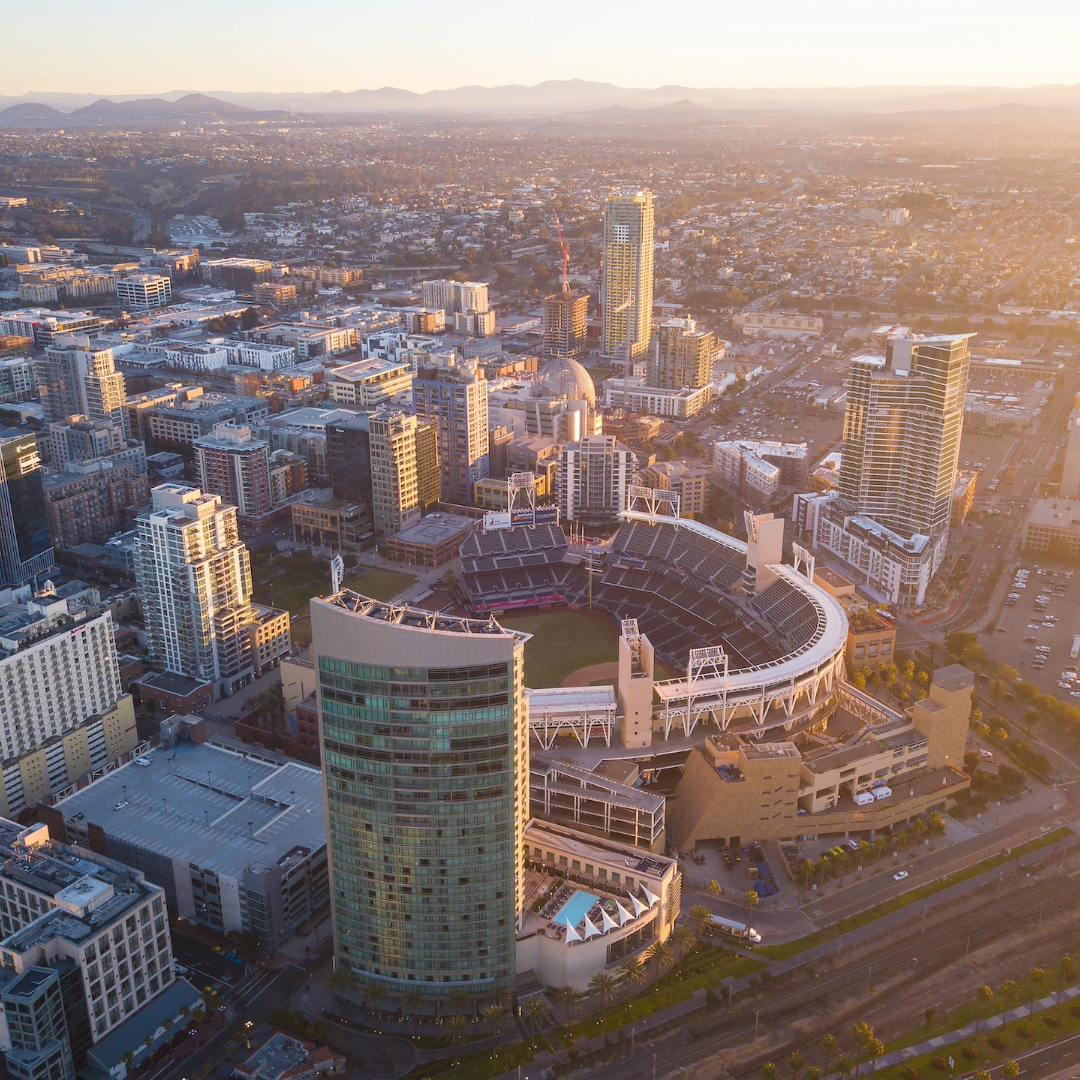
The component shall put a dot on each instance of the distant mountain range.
(546, 98)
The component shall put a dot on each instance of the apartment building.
(405, 477)
(236, 466)
(368, 383)
(194, 583)
(594, 478)
(141, 292)
(629, 236)
(76, 379)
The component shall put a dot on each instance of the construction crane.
(565, 248)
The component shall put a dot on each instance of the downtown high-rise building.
(564, 325)
(593, 483)
(236, 466)
(454, 395)
(194, 582)
(684, 355)
(902, 428)
(424, 731)
(76, 378)
(26, 548)
(628, 273)
(403, 458)
(889, 520)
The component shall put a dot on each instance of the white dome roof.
(565, 378)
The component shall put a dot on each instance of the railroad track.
(933, 949)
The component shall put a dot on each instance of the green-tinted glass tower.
(425, 748)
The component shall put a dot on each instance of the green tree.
(795, 1063)
(458, 1023)
(684, 940)
(605, 986)
(1010, 1069)
(412, 1001)
(660, 954)
(492, 1014)
(752, 898)
(634, 973)
(983, 995)
(532, 1008)
(1066, 969)
(768, 1071)
(845, 1065)
(1009, 990)
(828, 1048)
(569, 995)
(813, 1073)
(712, 887)
(700, 918)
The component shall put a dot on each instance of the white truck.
(730, 928)
(1074, 652)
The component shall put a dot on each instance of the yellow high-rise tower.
(628, 273)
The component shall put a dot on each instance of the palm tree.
(1038, 980)
(813, 1073)
(1011, 1069)
(411, 1001)
(460, 998)
(768, 1071)
(752, 898)
(796, 1063)
(937, 822)
(660, 954)
(341, 979)
(983, 995)
(458, 1022)
(492, 1014)
(844, 1066)
(863, 1035)
(605, 986)
(700, 917)
(569, 995)
(828, 1048)
(633, 973)
(806, 872)
(531, 1008)
(684, 939)
(127, 1058)
(1066, 969)
(875, 1048)
(712, 887)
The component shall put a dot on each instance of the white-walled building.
(194, 582)
(140, 292)
(593, 485)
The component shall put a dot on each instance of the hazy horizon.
(416, 45)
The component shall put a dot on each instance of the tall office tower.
(628, 273)
(684, 355)
(426, 811)
(37, 1029)
(454, 394)
(348, 449)
(404, 469)
(902, 430)
(194, 582)
(77, 379)
(26, 550)
(564, 319)
(1070, 473)
(236, 466)
(593, 484)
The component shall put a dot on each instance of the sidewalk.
(895, 1057)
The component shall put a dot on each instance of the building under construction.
(564, 327)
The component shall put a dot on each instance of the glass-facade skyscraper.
(425, 749)
(26, 549)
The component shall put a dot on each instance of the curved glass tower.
(425, 749)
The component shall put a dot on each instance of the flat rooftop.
(435, 529)
(403, 614)
(209, 805)
(1055, 513)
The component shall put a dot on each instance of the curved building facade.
(425, 747)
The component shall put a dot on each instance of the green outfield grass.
(562, 642)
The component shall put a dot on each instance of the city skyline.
(781, 44)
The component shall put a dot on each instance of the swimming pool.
(576, 908)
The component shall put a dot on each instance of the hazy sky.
(123, 46)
